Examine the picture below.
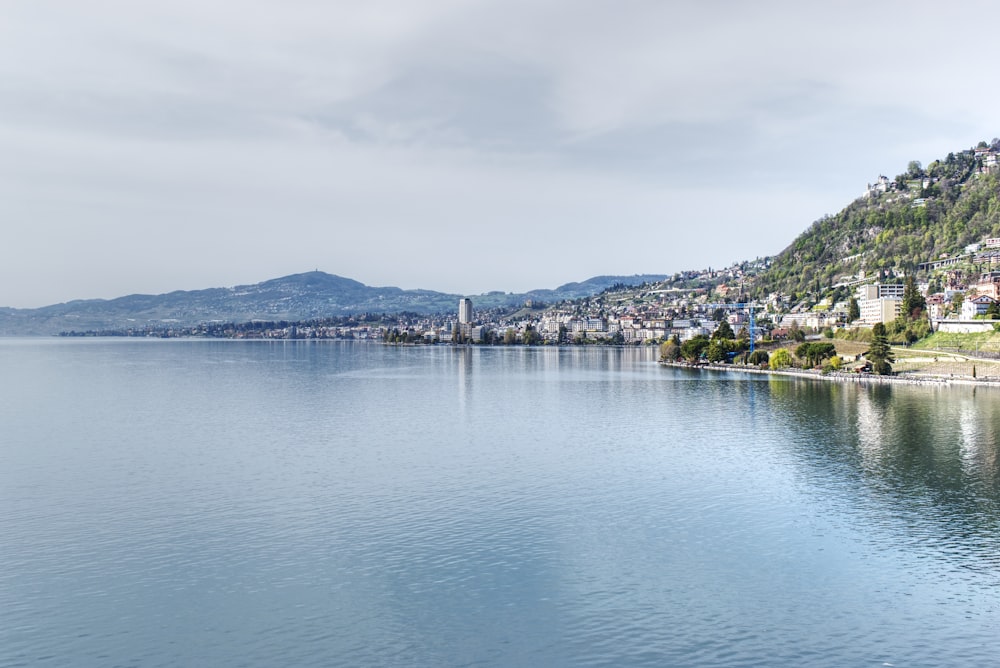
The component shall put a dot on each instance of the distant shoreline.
(839, 376)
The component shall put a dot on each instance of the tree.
(993, 311)
(758, 357)
(780, 359)
(669, 351)
(723, 331)
(802, 351)
(914, 303)
(879, 353)
(795, 332)
(853, 310)
(814, 353)
(716, 351)
(692, 348)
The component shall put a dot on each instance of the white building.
(885, 309)
(880, 187)
(976, 306)
(464, 311)
(880, 290)
(880, 302)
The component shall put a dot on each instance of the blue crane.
(749, 306)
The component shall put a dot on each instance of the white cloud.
(149, 147)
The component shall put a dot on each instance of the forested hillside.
(920, 215)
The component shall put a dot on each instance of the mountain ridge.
(896, 228)
(302, 296)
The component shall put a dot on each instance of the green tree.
(815, 352)
(780, 359)
(758, 357)
(723, 331)
(914, 303)
(716, 351)
(879, 353)
(853, 310)
(692, 348)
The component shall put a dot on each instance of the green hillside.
(922, 215)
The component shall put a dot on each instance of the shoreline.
(839, 376)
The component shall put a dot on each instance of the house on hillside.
(988, 285)
(880, 187)
(976, 306)
(935, 306)
(990, 163)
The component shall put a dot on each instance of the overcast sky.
(461, 146)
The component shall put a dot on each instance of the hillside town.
(919, 253)
(687, 305)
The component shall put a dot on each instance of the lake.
(228, 503)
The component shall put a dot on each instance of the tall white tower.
(464, 311)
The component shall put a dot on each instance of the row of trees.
(721, 346)
(811, 354)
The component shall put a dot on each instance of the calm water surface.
(217, 503)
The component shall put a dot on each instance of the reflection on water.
(305, 503)
(917, 462)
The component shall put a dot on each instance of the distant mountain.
(591, 286)
(297, 297)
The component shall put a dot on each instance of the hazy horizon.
(264, 280)
(461, 147)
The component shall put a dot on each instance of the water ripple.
(360, 505)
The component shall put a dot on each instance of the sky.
(460, 146)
